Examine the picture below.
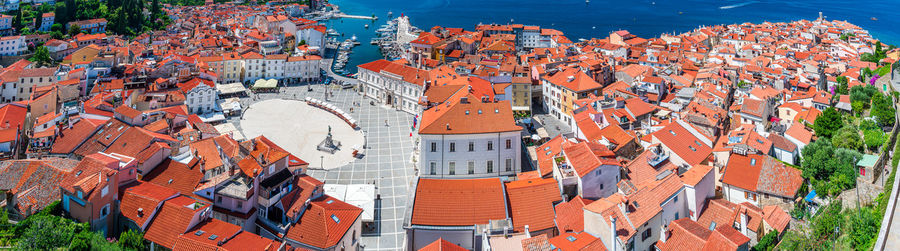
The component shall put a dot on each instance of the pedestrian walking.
(385, 122)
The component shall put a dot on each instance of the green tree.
(57, 35)
(302, 42)
(828, 224)
(767, 242)
(863, 94)
(883, 109)
(828, 123)
(41, 56)
(873, 139)
(81, 241)
(17, 19)
(131, 240)
(56, 27)
(45, 232)
(863, 223)
(74, 30)
(38, 21)
(842, 88)
(847, 137)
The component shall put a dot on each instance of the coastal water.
(597, 18)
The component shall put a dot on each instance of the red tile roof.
(776, 217)
(204, 231)
(173, 219)
(325, 223)
(176, 175)
(462, 202)
(546, 152)
(140, 202)
(762, 173)
(572, 241)
(570, 215)
(536, 243)
(442, 245)
(471, 117)
(250, 241)
(683, 144)
(531, 203)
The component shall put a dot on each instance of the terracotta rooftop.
(531, 203)
(458, 202)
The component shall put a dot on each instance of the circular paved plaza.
(299, 128)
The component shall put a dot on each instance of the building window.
(471, 146)
(646, 234)
(433, 168)
(509, 164)
(490, 145)
(452, 147)
(471, 167)
(508, 144)
(219, 199)
(490, 166)
(452, 167)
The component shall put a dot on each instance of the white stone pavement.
(386, 164)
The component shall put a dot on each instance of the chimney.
(448, 126)
(612, 234)
(140, 212)
(527, 232)
(571, 78)
(662, 234)
(505, 231)
(744, 222)
(485, 243)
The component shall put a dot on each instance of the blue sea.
(597, 18)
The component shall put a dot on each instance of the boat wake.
(737, 5)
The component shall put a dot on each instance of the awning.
(810, 196)
(230, 129)
(212, 117)
(231, 105)
(542, 132)
(233, 88)
(265, 84)
(359, 195)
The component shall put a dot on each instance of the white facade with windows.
(302, 69)
(253, 69)
(391, 89)
(466, 156)
(201, 99)
(12, 45)
(273, 67)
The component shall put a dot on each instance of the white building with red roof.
(393, 84)
(200, 95)
(456, 210)
(468, 138)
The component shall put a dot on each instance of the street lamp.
(322, 163)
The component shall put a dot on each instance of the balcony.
(657, 156)
(568, 176)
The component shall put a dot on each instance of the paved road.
(387, 160)
(889, 234)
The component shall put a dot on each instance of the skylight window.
(673, 133)
(712, 226)
(199, 232)
(213, 237)
(335, 218)
(571, 238)
(752, 162)
(330, 201)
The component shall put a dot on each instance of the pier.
(342, 15)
